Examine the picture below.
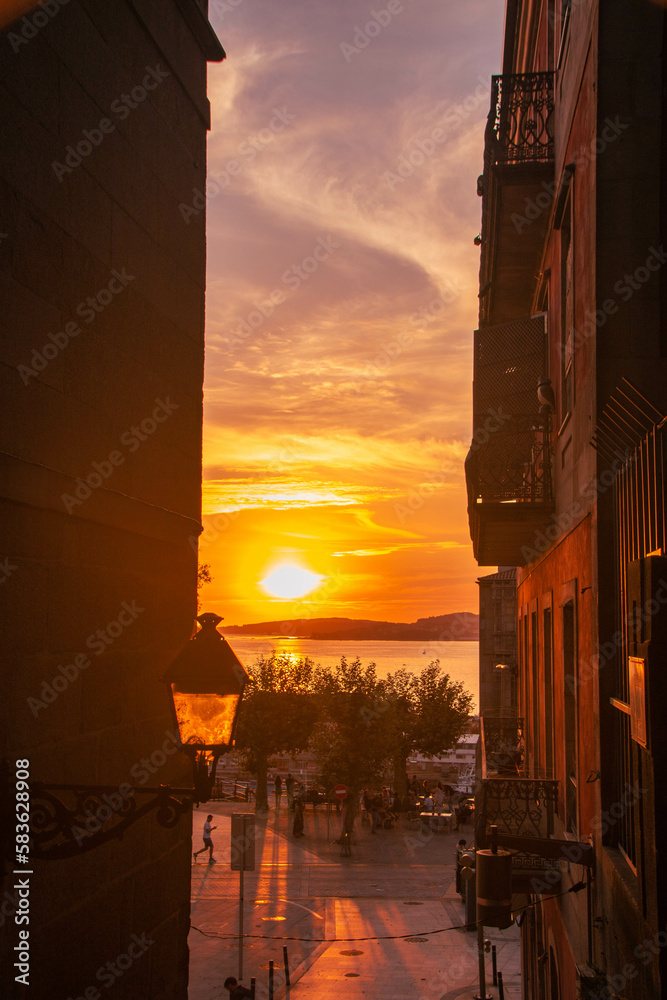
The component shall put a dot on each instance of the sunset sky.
(342, 295)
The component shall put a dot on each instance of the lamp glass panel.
(205, 719)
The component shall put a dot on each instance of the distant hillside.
(461, 626)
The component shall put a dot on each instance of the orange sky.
(342, 296)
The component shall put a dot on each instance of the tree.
(350, 741)
(425, 713)
(277, 715)
(203, 576)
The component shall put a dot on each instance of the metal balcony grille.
(519, 805)
(512, 459)
(519, 128)
(509, 361)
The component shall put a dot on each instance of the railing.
(501, 745)
(227, 788)
(519, 805)
(511, 454)
(519, 127)
(515, 463)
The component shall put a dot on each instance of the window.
(570, 676)
(567, 338)
(547, 657)
(526, 667)
(535, 665)
(554, 984)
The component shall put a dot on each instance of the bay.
(459, 659)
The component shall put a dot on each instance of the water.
(459, 659)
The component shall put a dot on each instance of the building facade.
(103, 122)
(571, 350)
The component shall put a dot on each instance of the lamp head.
(206, 682)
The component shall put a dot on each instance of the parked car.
(315, 797)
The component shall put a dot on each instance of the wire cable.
(577, 887)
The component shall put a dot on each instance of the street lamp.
(205, 683)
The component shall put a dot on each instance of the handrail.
(519, 126)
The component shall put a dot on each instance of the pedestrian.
(236, 991)
(439, 798)
(376, 805)
(208, 843)
(367, 807)
(289, 788)
(278, 786)
(297, 825)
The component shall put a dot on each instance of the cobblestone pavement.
(394, 898)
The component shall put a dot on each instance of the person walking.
(208, 843)
(278, 786)
(289, 788)
(236, 990)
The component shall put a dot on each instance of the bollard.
(252, 987)
(501, 988)
(471, 903)
(286, 964)
(494, 964)
(270, 980)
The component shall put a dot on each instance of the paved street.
(376, 924)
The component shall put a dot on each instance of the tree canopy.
(425, 713)
(350, 738)
(277, 715)
(356, 725)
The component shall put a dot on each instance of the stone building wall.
(103, 120)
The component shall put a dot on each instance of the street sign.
(340, 791)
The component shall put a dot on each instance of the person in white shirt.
(438, 798)
(208, 843)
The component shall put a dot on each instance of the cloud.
(348, 391)
(281, 494)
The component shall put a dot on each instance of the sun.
(289, 580)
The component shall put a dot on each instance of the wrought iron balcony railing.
(501, 746)
(510, 457)
(519, 805)
(518, 159)
(522, 808)
(519, 127)
(514, 464)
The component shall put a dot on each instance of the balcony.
(522, 807)
(508, 468)
(510, 498)
(517, 189)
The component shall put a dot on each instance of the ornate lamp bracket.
(67, 820)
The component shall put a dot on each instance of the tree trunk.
(262, 795)
(351, 809)
(400, 777)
